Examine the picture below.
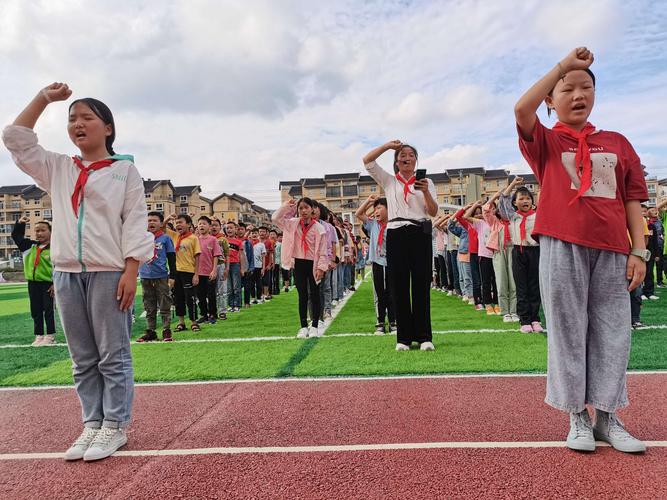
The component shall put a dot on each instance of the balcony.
(333, 192)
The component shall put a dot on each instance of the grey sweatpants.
(585, 299)
(98, 338)
(502, 267)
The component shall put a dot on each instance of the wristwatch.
(642, 253)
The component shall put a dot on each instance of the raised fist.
(56, 92)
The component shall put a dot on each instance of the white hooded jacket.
(111, 223)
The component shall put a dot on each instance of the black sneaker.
(222, 316)
(149, 336)
(166, 335)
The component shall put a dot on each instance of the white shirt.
(415, 208)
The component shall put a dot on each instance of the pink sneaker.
(526, 329)
(537, 327)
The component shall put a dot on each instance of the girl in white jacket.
(99, 239)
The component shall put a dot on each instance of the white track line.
(326, 379)
(291, 337)
(480, 445)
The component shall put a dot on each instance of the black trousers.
(525, 268)
(247, 284)
(275, 290)
(660, 267)
(453, 271)
(409, 260)
(489, 290)
(384, 306)
(649, 282)
(41, 307)
(206, 296)
(308, 290)
(286, 277)
(636, 304)
(184, 295)
(476, 278)
(256, 285)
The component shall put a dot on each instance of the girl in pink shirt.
(304, 249)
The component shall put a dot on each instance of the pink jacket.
(285, 220)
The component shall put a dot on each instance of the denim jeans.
(234, 284)
(98, 338)
(341, 280)
(465, 278)
(221, 289)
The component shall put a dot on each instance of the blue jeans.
(340, 269)
(465, 278)
(234, 284)
(98, 338)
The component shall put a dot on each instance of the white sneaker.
(143, 314)
(653, 297)
(303, 333)
(39, 340)
(334, 303)
(426, 346)
(393, 328)
(580, 437)
(515, 318)
(105, 443)
(379, 330)
(402, 347)
(507, 318)
(449, 293)
(609, 428)
(78, 449)
(315, 331)
(644, 297)
(49, 340)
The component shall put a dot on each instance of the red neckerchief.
(81, 181)
(37, 257)
(383, 226)
(181, 237)
(582, 158)
(522, 225)
(506, 235)
(304, 231)
(406, 185)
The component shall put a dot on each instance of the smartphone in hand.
(420, 174)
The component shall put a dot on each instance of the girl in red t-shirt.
(592, 185)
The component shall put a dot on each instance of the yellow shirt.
(187, 251)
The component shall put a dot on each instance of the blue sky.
(238, 95)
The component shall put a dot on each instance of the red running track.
(346, 412)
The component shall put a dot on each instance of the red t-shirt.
(473, 239)
(597, 219)
(235, 244)
(270, 247)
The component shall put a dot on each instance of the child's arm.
(18, 235)
(636, 267)
(361, 211)
(661, 205)
(54, 92)
(468, 215)
(285, 212)
(526, 107)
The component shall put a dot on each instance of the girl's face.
(42, 233)
(478, 212)
(86, 130)
(316, 212)
(573, 98)
(305, 211)
(523, 202)
(406, 162)
(380, 212)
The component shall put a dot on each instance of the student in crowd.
(275, 272)
(38, 271)
(440, 257)
(410, 203)
(519, 210)
(452, 247)
(234, 282)
(587, 206)
(157, 279)
(376, 225)
(98, 243)
(661, 264)
(321, 213)
(258, 268)
(482, 228)
(499, 242)
(207, 270)
(655, 243)
(473, 248)
(304, 250)
(269, 258)
(340, 261)
(360, 261)
(636, 295)
(462, 257)
(186, 246)
(222, 267)
(247, 262)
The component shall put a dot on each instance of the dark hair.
(398, 151)
(324, 211)
(307, 201)
(522, 190)
(241, 224)
(103, 112)
(380, 201)
(231, 222)
(273, 231)
(44, 222)
(550, 94)
(263, 227)
(254, 230)
(156, 214)
(205, 218)
(184, 217)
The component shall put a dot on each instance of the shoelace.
(616, 427)
(104, 436)
(581, 427)
(86, 436)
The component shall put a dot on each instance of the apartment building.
(16, 202)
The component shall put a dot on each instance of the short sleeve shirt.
(235, 245)
(375, 254)
(187, 251)
(210, 251)
(156, 268)
(259, 251)
(597, 219)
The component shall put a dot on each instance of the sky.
(238, 95)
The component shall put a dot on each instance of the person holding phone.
(410, 202)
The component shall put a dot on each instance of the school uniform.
(584, 251)
(259, 254)
(485, 258)
(409, 255)
(38, 271)
(452, 262)
(95, 230)
(187, 248)
(377, 256)
(462, 257)
(500, 243)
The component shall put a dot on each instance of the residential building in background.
(16, 202)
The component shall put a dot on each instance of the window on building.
(184, 199)
(38, 213)
(159, 207)
(27, 226)
(27, 213)
(149, 207)
(351, 190)
(47, 214)
(202, 208)
(148, 195)
(183, 210)
(333, 192)
(374, 189)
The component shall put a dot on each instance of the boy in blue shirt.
(376, 228)
(157, 281)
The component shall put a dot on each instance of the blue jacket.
(461, 232)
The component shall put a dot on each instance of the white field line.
(445, 376)
(480, 445)
(291, 337)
